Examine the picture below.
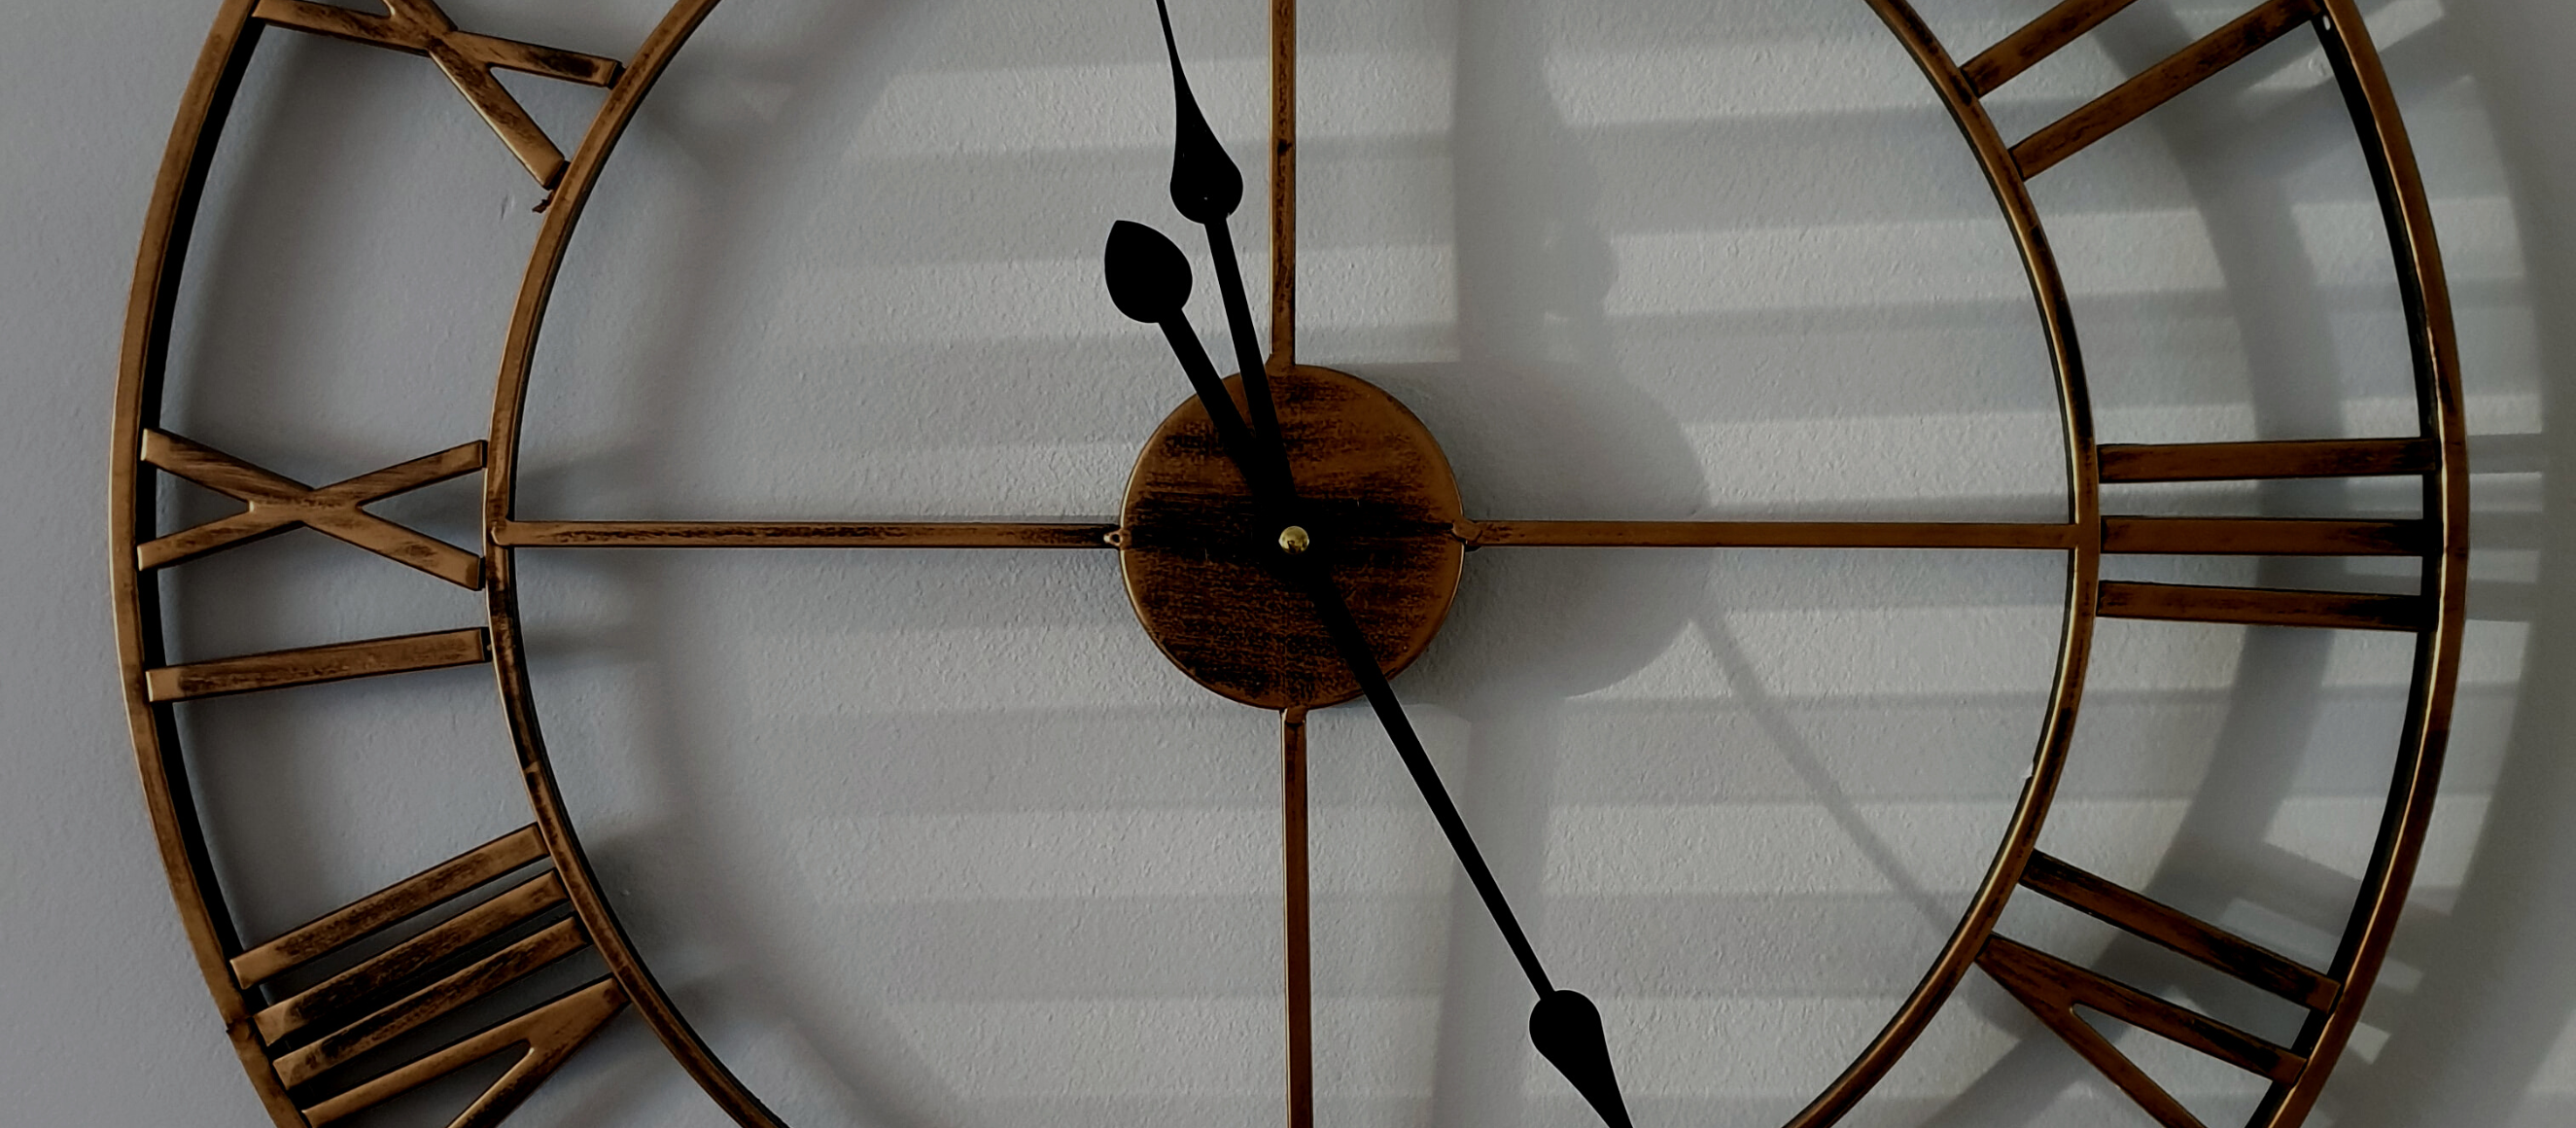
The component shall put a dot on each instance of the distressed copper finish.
(2265, 607)
(2158, 84)
(802, 534)
(2037, 40)
(467, 59)
(1769, 534)
(474, 944)
(315, 665)
(1283, 186)
(1296, 942)
(1378, 499)
(2306, 458)
(2179, 932)
(278, 503)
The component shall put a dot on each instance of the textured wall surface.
(940, 839)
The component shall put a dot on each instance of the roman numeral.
(2130, 100)
(2264, 607)
(279, 503)
(2302, 458)
(2053, 988)
(420, 28)
(313, 1032)
(2263, 536)
(2266, 536)
(314, 665)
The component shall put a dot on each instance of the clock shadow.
(720, 962)
(2289, 727)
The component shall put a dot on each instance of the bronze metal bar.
(278, 503)
(2264, 607)
(1769, 534)
(406, 898)
(314, 665)
(2048, 984)
(1295, 918)
(2265, 536)
(801, 534)
(550, 1032)
(2158, 84)
(635, 979)
(2424, 294)
(2301, 458)
(485, 976)
(1283, 186)
(419, 27)
(336, 1001)
(151, 309)
(2083, 570)
(2037, 40)
(2179, 932)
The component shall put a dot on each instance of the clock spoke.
(1295, 935)
(1768, 534)
(1283, 185)
(805, 534)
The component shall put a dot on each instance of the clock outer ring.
(187, 860)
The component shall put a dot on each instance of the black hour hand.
(1149, 279)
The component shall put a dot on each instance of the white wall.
(1775, 287)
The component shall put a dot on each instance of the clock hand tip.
(1148, 276)
(1206, 185)
(1566, 1028)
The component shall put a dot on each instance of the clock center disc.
(1379, 509)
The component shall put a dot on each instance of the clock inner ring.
(1378, 507)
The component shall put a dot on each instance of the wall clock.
(1289, 558)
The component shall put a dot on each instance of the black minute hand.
(1207, 187)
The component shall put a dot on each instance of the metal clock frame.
(293, 1044)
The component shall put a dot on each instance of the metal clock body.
(372, 1001)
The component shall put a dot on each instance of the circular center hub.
(1206, 565)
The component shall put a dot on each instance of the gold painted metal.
(383, 997)
(314, 665)
(2037, 40)
(368, 1003)
(801, 534)
(1199, 555)
(467, 59)
(2052, 988)
(546, 1037)
(2265, 607)
(2265, 536)
(2158, 84)
(408, 898)
(1283, 187)
(1769, 534)
(1295, 912)
(1294, 540)
(2307, 458)
(328, 1002)
(2179, 932)
(279, 503)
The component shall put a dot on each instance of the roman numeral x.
(420, 28)
(279, 503)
